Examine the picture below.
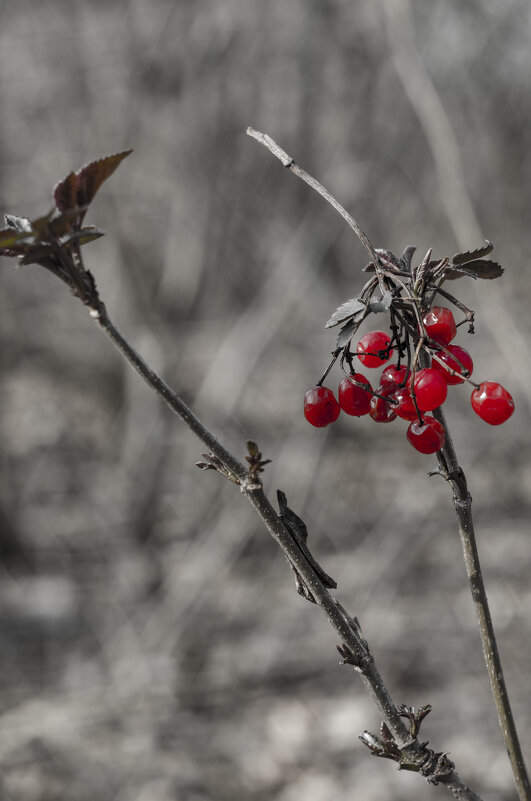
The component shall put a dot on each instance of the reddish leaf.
(62, 224)
(78, 189)
(91, 177)
(65, 193)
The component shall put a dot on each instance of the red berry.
(427, 437)
(353, 399)
(405, 407)
(320, 406)
(381, 410)
(440, 324)
(375, 348)
(430, 389)
(393, 374)
(462, 363)
(492, 403)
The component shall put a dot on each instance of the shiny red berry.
(382, 411)
(430, 389)
(405, 407)
(393, 374)
(492, 403)
(374, 348)
(440, 324)
(427, 437)
(353, 399)
(320, 406)
(462, 363)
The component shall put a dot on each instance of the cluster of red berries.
(406, 394)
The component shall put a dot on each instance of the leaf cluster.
(407, 290)
(54, 240)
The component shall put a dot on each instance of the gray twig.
(291, 164)
(450, 469)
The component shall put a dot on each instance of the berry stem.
(469, 314)
(416, 357)
(335, 354)
(290, 163)
(462, 375)
(453, 473)
(170, 398)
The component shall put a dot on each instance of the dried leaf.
(297, 529)
(346, 311)
(472, 255)
(482, 268)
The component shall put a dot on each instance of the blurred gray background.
(153, 646)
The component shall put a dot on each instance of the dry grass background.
(153, 646)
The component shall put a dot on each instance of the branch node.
(213, 462)
(256, 465)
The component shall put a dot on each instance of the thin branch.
(451, 470)
(170, 398)
(291, 164)
(453, 473)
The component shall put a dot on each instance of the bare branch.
(290, 163)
